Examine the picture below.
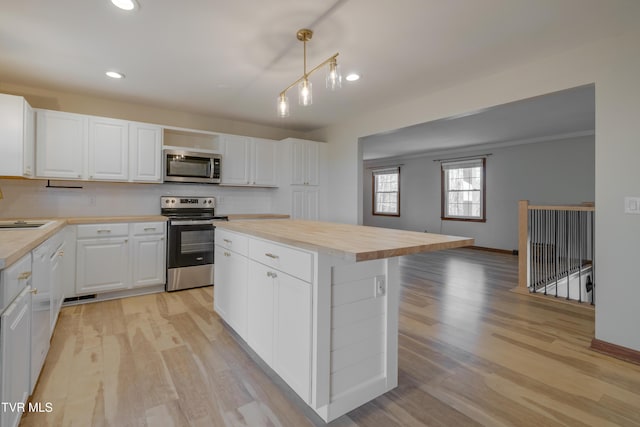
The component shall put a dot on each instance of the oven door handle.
(192, 222)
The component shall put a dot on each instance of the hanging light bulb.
(334, 79)
(305, 97)
(283, 105)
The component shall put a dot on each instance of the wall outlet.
(381, 286)
(632, 205)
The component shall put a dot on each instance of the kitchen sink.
(23, 225)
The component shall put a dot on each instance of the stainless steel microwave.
(192, 166)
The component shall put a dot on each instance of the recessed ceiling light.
(352, 77)
(114, 75)
(125, 4)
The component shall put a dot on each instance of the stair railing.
(556, 250)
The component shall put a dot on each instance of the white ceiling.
(556, 115)
(230, 59)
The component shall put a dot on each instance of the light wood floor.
(472, 352)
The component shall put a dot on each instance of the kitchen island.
(318, 303)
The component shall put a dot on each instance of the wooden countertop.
(111, 219)
(351, 242)
(236, 217)
(14, 244)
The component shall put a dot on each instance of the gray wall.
(553, 172)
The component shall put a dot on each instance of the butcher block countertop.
(351, 242)
(14, 244)
(236, 217)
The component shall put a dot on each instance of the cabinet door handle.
(199, 258)
(34, 291)
(24, 276)
(227, 254)
(271, 274)
(149, 228)
(227, 241)
(104, 231)
(270, 255)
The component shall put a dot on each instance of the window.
(463, 190)
(386, 192)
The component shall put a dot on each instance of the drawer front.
(13, 280)
(232, 241)
(289, 260)
(102, 230)
(144, 228)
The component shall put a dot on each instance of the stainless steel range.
(191, 233)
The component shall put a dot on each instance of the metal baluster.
(580, 256)
(567, 253)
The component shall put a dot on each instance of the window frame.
(444, 192)
(385, 171)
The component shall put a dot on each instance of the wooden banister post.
(523, 224)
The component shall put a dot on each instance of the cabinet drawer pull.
(104, 231)
(24, 276)
(149, 229)
(270, 255)
(199, 258)
(34, 291)
(227, 241)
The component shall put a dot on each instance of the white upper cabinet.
(249, 161)
(264, 168)
(236, 160)
(61, 144)
(145, 152)
(17, 135)
(304, 162)
(108, 149)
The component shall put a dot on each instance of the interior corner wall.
(551, 172)
(613, 65)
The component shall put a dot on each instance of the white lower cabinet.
(304, 203)
(260, 309)
(15, 341)
(230, 300)
(262, 284)
(119, 256)
(148, 260)
(292, 333)
(103, 265)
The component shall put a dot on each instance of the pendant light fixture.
(305, 93)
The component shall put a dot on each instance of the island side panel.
(363, 334)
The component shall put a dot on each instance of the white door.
(292, 335)
(312, 163)
(236, 160)
(29, 132)
(102, 265)
(145, 154)
(298, 163)
(298, 203)
(265, 162)
(148, 261)
(222, 279)
(108, 149)
(57, 262)
(311, 203)
(15, 346)
(260, 310)
(230, 289)
(61, 140)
